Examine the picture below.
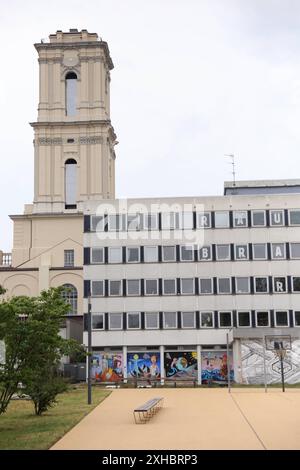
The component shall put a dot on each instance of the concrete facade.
(254, 221)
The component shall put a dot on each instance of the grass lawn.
(21, 429)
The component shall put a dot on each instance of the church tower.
(74, 162)
(73, 136)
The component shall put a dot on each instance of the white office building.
(171, 280)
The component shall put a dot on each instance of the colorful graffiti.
(214, 366)
(107, 367)
(181, 365)
(143, 364)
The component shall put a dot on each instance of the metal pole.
(89, 352)
(228, 364)
(265, 372)
(282, 373)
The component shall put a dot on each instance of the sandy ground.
(192, 419)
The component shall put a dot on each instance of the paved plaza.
(192, 419)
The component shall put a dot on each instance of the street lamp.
(281, 352)
(89, 351)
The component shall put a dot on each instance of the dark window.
(262, 319)
(244, 319)
(225, 319)
(296, 284)
(281, 318)
(97, 321)
(261, 284)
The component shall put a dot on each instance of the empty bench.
(144, 412)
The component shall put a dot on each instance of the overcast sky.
(193, 80)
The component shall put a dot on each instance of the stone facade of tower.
(73, 162)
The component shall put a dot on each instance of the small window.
(295, 250)
(297, 318)
(259, 251)
(225, 319)
(294, 217)
(133, 287)
(206, 319)
(98, 321)
(187, 253)
(115, 254)
(279, 285)
(258, 218)
(151, 320)
(115, 321)
(169, 286)
(261, 285)
(187, 286)
(151, 286)
(97, 255)
(296, 284)
(204, 220)
(188, 320)
(68, 258)
(169, 253)
(205, 253)
(170, 319)
(150, 221)
(243, 319)
(223, 252)
(224, 285)
(171, 220)
(150, 254)
(241, 252)
(240, 219)
(205, 286)
(262, 318)
(281, 318)
(276, 218)
(133, 320)
(133, 254)
(134, 222)
(278, 251)
(98, 223)
(242, 285)
(115, 288)
(222, 219)
(97, 288)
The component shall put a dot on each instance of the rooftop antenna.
(230, 155)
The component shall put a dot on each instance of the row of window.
(191, 320)
(193, 220)
(192, 286)
(191, 253)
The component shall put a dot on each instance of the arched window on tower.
(70, 295)
(71, 92)
(70, 183)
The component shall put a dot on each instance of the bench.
(144, 412)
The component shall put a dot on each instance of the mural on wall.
(107, 367)
(252, 363)
(181, 365)
(214, 366)
(143, 365)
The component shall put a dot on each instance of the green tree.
(30, 327)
